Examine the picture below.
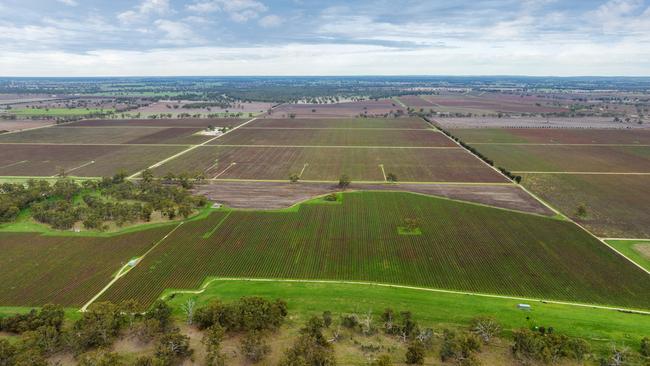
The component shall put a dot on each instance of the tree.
(294, 178)
(173, 347)
(327, 318)
(161, 312)
(188, 308)
(344, 181)
(411, 224)
(7, 353)
(581, 211)
(254, 347)
(392, 178)
(415, 353)
(147, 176)
(485, 328)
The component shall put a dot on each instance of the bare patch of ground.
(274, 195)
(643, 249)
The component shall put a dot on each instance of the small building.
(525, 307)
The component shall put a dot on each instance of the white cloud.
(270, 21)
(238, 10)
(142, 11)
(69, 2)
(176, 32)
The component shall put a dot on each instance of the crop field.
(348, 123)
(415, 101)
(616, 205)
(553, 136)
(183, 122)
(569, 158)
(67, 270)
(466, 247)
(328, 163)
(537, 122)
(78, 160)
(106, 135)
(335, 137)
(494, 102)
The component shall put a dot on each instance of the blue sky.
(303, 37)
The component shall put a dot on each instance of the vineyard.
(462, 247)
(66, 270)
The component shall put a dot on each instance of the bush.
(383, 360)
(311, 348)
(547, 347)
(645, 347)
(344, 181)
(173, 347)
(485, 328)
(415, 353)
(460, 348)
(247, 314)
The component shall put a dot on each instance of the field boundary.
(211, 280)
(581, 173)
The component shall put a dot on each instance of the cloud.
(68, 2)
(142, 11)
(270, 21)
(176, 32)
(238, 10)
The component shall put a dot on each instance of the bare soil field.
(327, 163)
(77, 160)
(552, 136)
(275, 195)
(338, 137)
(183, 122)
(176, 107)
(536, 122)
(17, 125)
(107, 135)
(569, 158)
(616, 205)
(496, 103)
(368, 108)
(347, 123)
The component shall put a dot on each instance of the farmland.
(328, 163)
(102, 135)
(503, 252)
(367, 108)
(64, 269)
(347, 123)
(616, 205)
(565, 158)
(339, 137)
(167, 122)
(553, 136)
(78, 160)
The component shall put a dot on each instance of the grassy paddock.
(438, 310)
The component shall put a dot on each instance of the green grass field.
(463, 247)
(58, 112)
(438, 310)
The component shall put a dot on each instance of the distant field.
(66, 270)
(495, 102)
(183, 122)
(54, 112)
(617, 205)
(461, 247)
(339, 137)
(369, 108)
(415, 101)
(328, 163)
(552, 136)
(78, 160)
(536, 122)
(397, 123)
(562, 158)
(107, 135)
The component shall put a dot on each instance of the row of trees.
(254, 320)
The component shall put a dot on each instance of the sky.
(309, 37)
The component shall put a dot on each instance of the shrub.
(415, 353)
(460, 348)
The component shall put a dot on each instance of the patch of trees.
(95, 203)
